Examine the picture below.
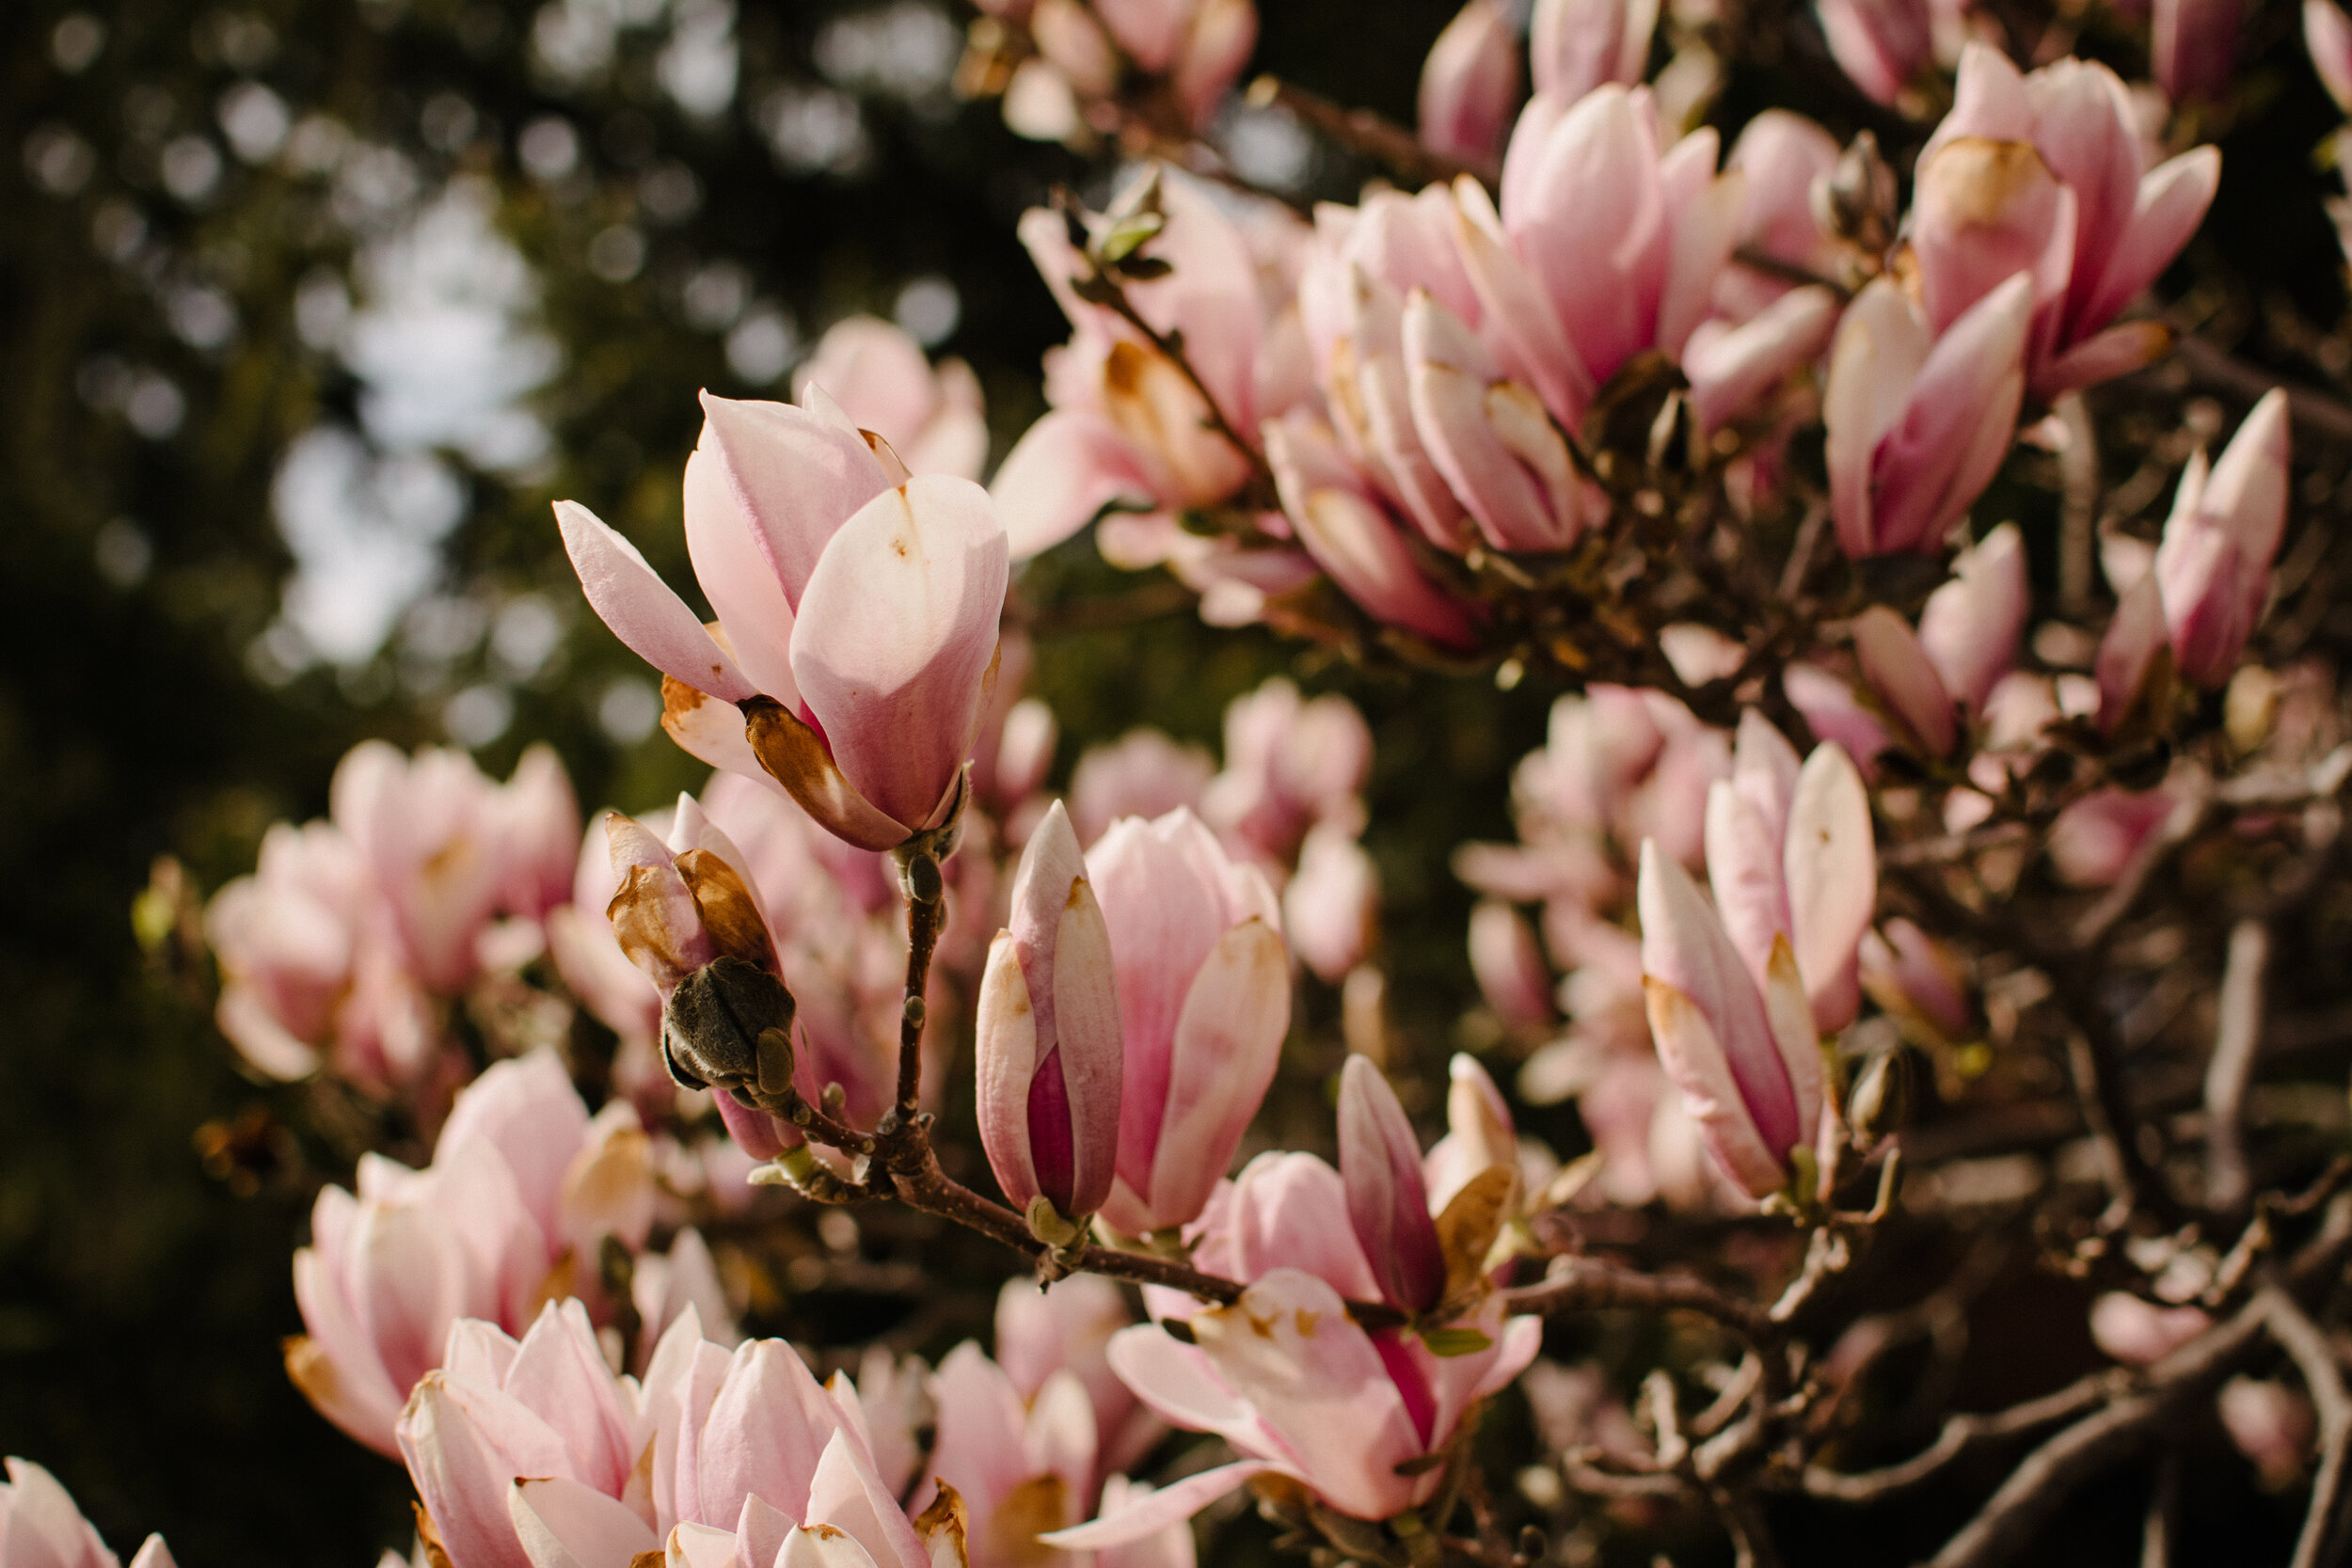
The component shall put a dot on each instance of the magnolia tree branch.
(2315, 1359)
(2229, 1181)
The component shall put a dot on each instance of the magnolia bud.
(729, 1026)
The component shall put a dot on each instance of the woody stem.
(924, 919)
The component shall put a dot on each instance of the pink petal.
(897, 630)
(1516, 318)
(641, 610)
(1878, 353)
(1387, 1202)
(1970, 626)
(1470, 84)
(562, 1524)
(1154, 1511)
(1832, 869)
(742, 588)
(1905, 679)
(796, 478)
(1068, 467)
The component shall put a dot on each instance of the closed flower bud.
(1388, 1200)
(1049, 1043)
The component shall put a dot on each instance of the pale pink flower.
(1881, 45)
(1332, 905)
(933, 419)
(1204, 1001)
(2048, 174)
(1048, 1038)
(861, 603)
(1285, 1376)
(1782, 155)
(1290, 762)
(2212, 567)
(2271, 1424)
(1067, 1327)
(1143, 773)
(1576, 45)
(1508, 965)
(1470, 85)
(2139, 1333)
(1917, 424)
(1910, 974)
(40, 1526)
(523, 1188)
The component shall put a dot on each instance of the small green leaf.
(1126, 234)
(1454, 1341)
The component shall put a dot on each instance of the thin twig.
(2228, 1181)
(2078, 508)
(2303, 1341)
(1587, 1284)
(2163, 1508)
(1962, 1434)
(924, 918)
(2186, 817)
(2314, 410)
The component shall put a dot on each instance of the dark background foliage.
(151, 703)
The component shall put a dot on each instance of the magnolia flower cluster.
(353, 937)
(525, 1194)
(40, 1526)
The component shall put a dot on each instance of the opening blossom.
(1740, 993)
(857, 612)
(1048, 1041)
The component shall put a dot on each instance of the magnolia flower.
(1204, 1001)
(1290, 762)
(2138, 1333)
(2213, 569)
(1143, 773)
(1937, 679)
(1881, 45)
(40, 1526)
(1200, 47)
(686, 915)
(1508, 965)
(1912, 976)
(2271, 1424)
(1739, 995)
(1285, 1376)
(1065, 1328)
(1387, 1201)
(587, 955)
(1470, 84)
(878, 376)
(523, 1188)
(1782, 156)
(1048, 1041)
(1576, 45)
(1127, 424)
(2047, 174)
(1917, 424)
(857, 616)
(533, 1453)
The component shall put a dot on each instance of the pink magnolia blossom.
(2271, 1424)
(862, 604)
(1204, 1001)
(1782, 156)
(1881, 45)
(1142, 773)
(2048, 174)
(2095, 840)
(1470, 85)
(1332, 905)
(1127, 426)
(587, 955)
(1917, 424)
(2213, 569)
(1285, 1376)
(1025, 1463)
(1509, 966)
(1200, 47)
(933, 419)
(533, 1453)
(2127, 661)
(1290, 762)
(1048, 1038)
(2138, 1333)
(523, 1188)
(1910, 975)
(41, 1527)
(1388, 1203)
(1738, 993)
(1350, 532)
(1576, 45)
(1066, 1327)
